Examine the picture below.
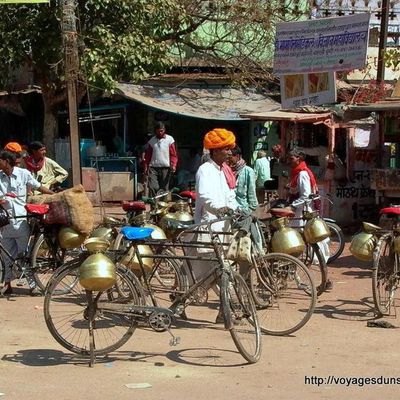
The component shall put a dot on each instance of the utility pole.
(71, 74)
(380, 74)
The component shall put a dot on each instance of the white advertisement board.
(299, 90)
(324, 44)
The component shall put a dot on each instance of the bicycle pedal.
(175, 339)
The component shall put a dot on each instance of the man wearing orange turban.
(16, 149)
(219, 138)
(213, 193)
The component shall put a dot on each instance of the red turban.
(218, 139)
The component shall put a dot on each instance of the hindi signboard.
(299, 90)
(324, 44)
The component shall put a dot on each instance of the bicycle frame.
(211, 277)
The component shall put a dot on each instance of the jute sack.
(72, 207)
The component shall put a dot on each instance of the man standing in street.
(14, 182)
(215, 192)
(245, 181)
(160, 160)
(263, 174)
(44, 169)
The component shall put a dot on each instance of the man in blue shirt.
(245, 181)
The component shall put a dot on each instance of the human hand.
(223, 211)
(173, 169)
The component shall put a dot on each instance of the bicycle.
(282, 279)
(95, 324)
(282, 288)
(28, 265)
(237, 304)
(386, 267)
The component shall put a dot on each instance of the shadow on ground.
(351, 310)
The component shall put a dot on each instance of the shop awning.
(208, 103)
(287, 116)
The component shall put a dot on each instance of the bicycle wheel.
(166, 279)
(67, 313)
(315, 262)
(384, 280)
(241, 316)
(46, 258)
(336, 242)
(284, 293)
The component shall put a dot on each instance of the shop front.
(341, 168)
(386, 176)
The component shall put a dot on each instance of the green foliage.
(118, 39)
(132, 39)
(392, 58)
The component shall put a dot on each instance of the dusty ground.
(336, 342)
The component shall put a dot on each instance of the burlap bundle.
(71, 207)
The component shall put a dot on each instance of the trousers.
(158, 179)
(15, 241)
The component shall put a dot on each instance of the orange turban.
(219, 138)
(14, 147)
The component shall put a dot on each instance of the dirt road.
(336, 342)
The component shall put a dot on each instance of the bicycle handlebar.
(152, 200)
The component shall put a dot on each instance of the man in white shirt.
(160, 160)
(214, 190)
(14, 183)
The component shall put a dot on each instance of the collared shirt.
(50, 173)
(17, 183)
(213, 193)
(262, 171)
(246, 189)
(303, 192)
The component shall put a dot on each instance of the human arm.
(251, 191)
(256, 168)
(304, 189)
(173, 156)
(42, 189)
(59, 173)
(148, 153)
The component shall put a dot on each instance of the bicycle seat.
(37, 209)
(282, 212)
(188, 194)
(390, 210)
(133, 206)
(136, 233)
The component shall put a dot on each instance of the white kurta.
(212, 193)
(304, 190)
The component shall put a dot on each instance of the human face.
(5, 166)
(160, 132)
(233, 159)
(39, 154)
(293, 161)
(221, 155)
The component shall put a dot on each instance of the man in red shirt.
(160, 160)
